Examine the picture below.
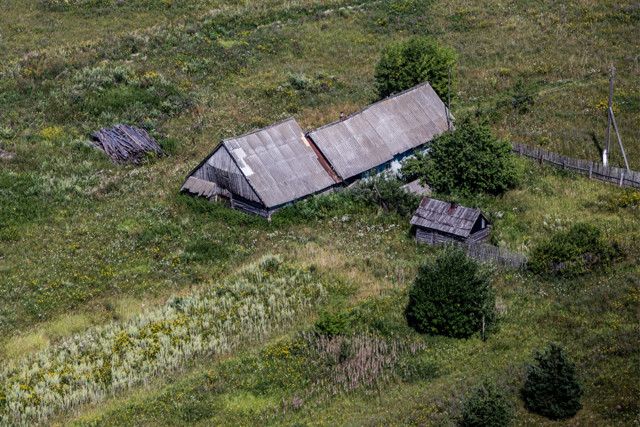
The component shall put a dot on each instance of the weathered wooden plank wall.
(610, 174)
(222, 170)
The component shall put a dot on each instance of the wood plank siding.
(221, 169)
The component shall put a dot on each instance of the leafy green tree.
(408, 63)
(466, 161)
(487, 406)
(551, 388)
(450, 296)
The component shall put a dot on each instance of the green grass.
(83, 242)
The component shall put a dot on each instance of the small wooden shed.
(439, 222)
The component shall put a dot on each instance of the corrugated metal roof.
(374, 135)
(279, 163)
(445, 217)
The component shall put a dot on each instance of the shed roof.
(446, 217)
(376, 134)
(278, 163)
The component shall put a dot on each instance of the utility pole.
(448, 96)
(605, 153)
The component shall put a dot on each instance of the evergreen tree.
(487, 406)
(551, 388)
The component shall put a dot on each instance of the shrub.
(450, 296)
(467, 160)
(411, 62)
(487, 406)
(572, 252)
(385, 191)
(551, 388)
(331, 324)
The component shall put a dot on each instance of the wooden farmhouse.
(437, 222)
(262, 171)
(379, 136)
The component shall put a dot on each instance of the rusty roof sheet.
(374, 135)
(440, 216)
(279, 163)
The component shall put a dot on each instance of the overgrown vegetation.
(451, 296)
(575, 251)
(118, 356)
(467, 160)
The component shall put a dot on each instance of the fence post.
(590, 170)
(621, 178)
(564, 164)
(520, 150)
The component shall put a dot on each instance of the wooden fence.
(501, 256)
(610, 174)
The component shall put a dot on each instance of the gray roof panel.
(374, 135)
(279, 163)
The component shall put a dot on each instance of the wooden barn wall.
(436, 238)
(478, 236)
(248, 206)
(221, 169)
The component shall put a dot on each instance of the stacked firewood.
(124, 144)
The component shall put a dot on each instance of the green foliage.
(466, 161)
(450, 296)
(333, 323)
(169, 145)
(627, 198)
(573, 252)
(520, 98)
(408, 63)
(380, 191)
(551, 388)
(487, 406)
(385, 191)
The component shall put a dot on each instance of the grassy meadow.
(89, 250)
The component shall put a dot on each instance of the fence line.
(501, 256)
(610, 174)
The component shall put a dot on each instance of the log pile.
(124, 144)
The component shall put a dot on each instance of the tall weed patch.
(118, 356)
